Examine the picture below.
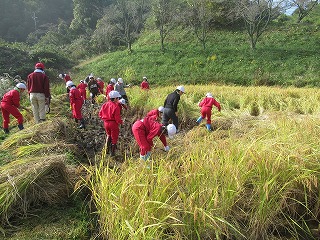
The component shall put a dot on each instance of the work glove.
(166, 148)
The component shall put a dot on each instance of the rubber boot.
(6, 130)
(20, 126)
(82, 125)
(108, 144)
(199, 120)
(209, 127)
(113, 150)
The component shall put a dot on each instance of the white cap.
(113, 80)
(120, 80)
(172, 130)
(81, 81)
(181, 88)
(114, 94)
(99, 79)
(209, 95)
(21, 85)
(160, 109)
(69, 84)
(144, 78)
(122, 101)
(91, 76)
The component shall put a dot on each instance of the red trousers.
(6, 111)
(206, 113)
(112, 129)
(140, 135)
(76, 111)
(83, 93)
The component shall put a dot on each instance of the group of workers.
(155, 123)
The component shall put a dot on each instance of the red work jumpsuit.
(155, 114)
(110, 114)
(145, 85)
(76, 102)
(9, 105)
(109, 88)
(101, 86)
(82, 88)
(144, 131)
(206, 107)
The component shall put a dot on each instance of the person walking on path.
(110, 87)
(39, 92)
(10, 104)
(82, 86)
(206, 108)
(146, 129)
(110, 113)
(101, 85)
(145, 84)
(171, 107)
(93, 87)
(119, 87)
(76, 102)
(156, 113)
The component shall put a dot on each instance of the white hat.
(181, 88)
(69, 84)
(114, 94)
(81, 81)
(122, 101)
(209, 95)
(21, 85)
(160, 109)
(120, 80)
(172, 130)
(144, 78)
(99, 79)
(113, 80)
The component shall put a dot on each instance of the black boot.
(113, 149)
(82, 124)
(20, 126)
(108, 144)
(6, 130)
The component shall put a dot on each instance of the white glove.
(166, 148)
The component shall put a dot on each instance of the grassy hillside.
(286, 56)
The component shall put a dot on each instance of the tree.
(304, 7)
(257, 15)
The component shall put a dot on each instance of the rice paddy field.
(255, 176)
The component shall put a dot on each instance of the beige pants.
(38, 101)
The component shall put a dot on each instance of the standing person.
(39, 92)
(101, 85)
(206, 107)
(171, 107)
(10, 104)
(110, 87)
(82, 88)
(146, 129)
(145, 84)
(119, 87)
(66, 77)
(93, 88)
(156, 113)
(110, 113)
(76, 102)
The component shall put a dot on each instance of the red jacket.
(154, 114)
(38, 82)
(110, 111)
(75, 96)
(67, 77)
(82, 86)
(101, 86)
(209, 102)
(109, 88)
(144, 85)
(12, 98)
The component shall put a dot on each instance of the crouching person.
(76, 102)
(10, 104)
(110, 114)
(146, 129)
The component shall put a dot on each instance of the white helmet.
(21, 85)
(61, 75)
(122, 101)
(120, 80)
(172, 130)
(113, 80)
(114, 94)
(69, 84)
(144, 78)
(181, 88)
(209, 95)
(160, 109)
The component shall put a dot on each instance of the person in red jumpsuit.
(145, 84)
(110, 87)
(101, 85)
(65, 77)
(110, 113)
(156, 113)
(206, 107)
(146, 129)
(82, 88)
(9, 105)
(76, 102)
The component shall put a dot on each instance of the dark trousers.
(169, 113)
